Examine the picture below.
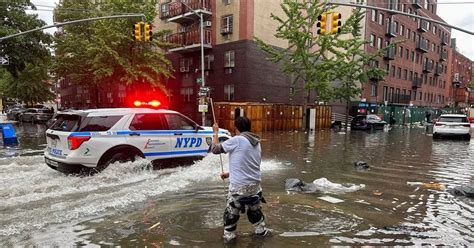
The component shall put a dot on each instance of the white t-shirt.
(244, 161)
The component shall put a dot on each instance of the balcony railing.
(175, 9)
(390, 53)
(444, 55)
(417, 4)
(444, 40)
(401, 99)
(422, 45)
(428, 67)
(416, 83)
(189, 40)
(438, 70)
(391, 29)
(423, 25)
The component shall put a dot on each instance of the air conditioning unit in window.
(226, 30)
(207, 23)
(183, 69)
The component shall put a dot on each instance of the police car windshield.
(78, 123)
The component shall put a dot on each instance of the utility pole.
(73, 22)
(396, 12)
(201, 21)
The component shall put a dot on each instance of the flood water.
(132, 205)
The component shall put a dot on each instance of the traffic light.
(322, 24)
(137, 31)
(335, 23)
(148, 33)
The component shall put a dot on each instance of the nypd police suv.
(96, 138)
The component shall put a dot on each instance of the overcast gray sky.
(455, 12)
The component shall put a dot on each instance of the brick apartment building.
(418, 68)
(461, 71)
(236, 70)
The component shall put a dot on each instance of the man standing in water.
(245, 155)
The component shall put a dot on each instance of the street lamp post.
(201, 17)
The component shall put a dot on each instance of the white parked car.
(452, 125)
(96, 138)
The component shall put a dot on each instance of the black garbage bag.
(463, 190)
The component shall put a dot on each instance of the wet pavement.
(132, 205)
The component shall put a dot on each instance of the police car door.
(186, 139)
(148, 133)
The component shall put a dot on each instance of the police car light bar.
(153, 103)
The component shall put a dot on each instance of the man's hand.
(224, 175)
(215, 128)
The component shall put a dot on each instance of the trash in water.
(326, 186)
(437, 186)
(463, 190)
(155, 225)
(377, 193)
(330, 199)
(321, 185)
(414, 183)
(361, 165)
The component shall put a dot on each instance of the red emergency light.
(154, 103)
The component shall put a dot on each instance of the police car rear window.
(77, 123)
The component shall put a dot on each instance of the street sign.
(204, 89)
(199, 81)
(4, 61)
(202, 94)
(203, 108)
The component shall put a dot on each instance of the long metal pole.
(72, 22)
(395, 12)
(202, 63)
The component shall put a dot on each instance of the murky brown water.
(130, 206)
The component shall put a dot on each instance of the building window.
(400, 52)
(184, 64)
(434, 29)
(407, 54)
(208, 62)
(381, 19)
(385, 93)
(408, 33)
(373, 89)
(227, 24)
(227, 2)
(390, 95)
(229, 59)
(399, 72)
(187, 93)
(229, 92)
(405, 74)
(392, 71)
(412, 56)
(402, 30)
(379, 43)
(420, 95)
(372, 40)
(373, 15)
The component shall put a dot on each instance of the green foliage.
(30, 85)
(28, 54)
(334, 66)
(103, 52)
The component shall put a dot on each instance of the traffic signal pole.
(57, 25)
(396, 12)
(201, 20)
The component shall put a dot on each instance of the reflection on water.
(131, 205)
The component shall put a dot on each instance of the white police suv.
(96, 138)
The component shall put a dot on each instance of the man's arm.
(216, 148)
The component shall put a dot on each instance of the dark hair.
(243, 124)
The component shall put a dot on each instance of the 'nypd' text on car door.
(186, 139)
(148, 133)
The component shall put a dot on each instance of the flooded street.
(132, 205)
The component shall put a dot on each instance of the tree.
(22, 50)
(30, 86)
(28, 54)
(334, 66)
(103, 53)
(351, 62)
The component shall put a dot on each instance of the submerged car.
(367, 122)
(452, 125)
(36, 115)
(14, 113)
(91, 140)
